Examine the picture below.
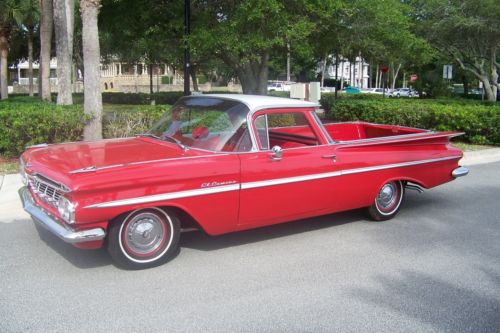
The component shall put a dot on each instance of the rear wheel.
(387, 201)
(144, 238)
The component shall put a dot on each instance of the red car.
(224, 163)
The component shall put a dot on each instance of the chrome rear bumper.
(56, 227)
(460, 172)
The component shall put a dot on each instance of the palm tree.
(63, 24)
(30, 17)
(92, 104)
(46, 27)
(9, 12)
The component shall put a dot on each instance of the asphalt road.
(434, 268)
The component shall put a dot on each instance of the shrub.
(28, 122)
(167, 98)
(479, 121)
(128, 123)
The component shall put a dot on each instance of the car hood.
(64, 160)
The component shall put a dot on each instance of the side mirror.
(277, 153)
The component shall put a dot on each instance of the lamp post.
(187, 17)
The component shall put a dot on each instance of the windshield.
(207, 123)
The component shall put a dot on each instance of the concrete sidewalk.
(11, 209)
(10, 204)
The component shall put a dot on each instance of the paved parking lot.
(434, 268)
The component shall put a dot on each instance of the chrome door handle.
(333, 157)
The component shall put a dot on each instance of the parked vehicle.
(352, 90)
(278, 86)
(404, 92)
(378, 91)
(225, 163)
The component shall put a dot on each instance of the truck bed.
(362, 130)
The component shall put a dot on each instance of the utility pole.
(187, 17)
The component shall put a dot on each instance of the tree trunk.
(394, 75)
(252, 75)
(30, 59)
(336, 75)
(466, 85)
(342, 76)
(192, 71)
(46, 25)
(92, 104)
(150, 68)
(4, 52)
(377, 76)
(64, 47)
(490, 82)
(323, 69)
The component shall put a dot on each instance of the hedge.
(25, 123)
(479, 121)
(166, 97)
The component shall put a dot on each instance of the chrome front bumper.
(52, 224)
(460, 172)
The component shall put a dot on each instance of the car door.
(292, 175)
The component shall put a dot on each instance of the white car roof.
(258, 102)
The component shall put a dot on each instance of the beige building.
(115, 77)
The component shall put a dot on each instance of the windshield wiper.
(149, 135)
(165, 137)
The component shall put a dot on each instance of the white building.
(18, 74)
(357, 72)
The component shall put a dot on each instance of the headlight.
(24, 178)
(66, 209)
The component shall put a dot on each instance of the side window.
(262, 131)
(287, 130)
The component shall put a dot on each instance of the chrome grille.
(45, 190)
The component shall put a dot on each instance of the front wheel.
(144, 238)
(387, 202)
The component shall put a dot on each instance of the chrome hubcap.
(387, 196)
(145, 233)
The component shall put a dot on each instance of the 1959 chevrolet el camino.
(223, 163)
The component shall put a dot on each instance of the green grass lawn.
(8, 165)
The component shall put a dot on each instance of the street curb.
(483, 156)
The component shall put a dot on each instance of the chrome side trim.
(460, 172)
(263, 183)
(167, 196)
(52, 224)
(398, 165)
(289, 180)
(396, 138)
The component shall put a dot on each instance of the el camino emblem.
(214, 183)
